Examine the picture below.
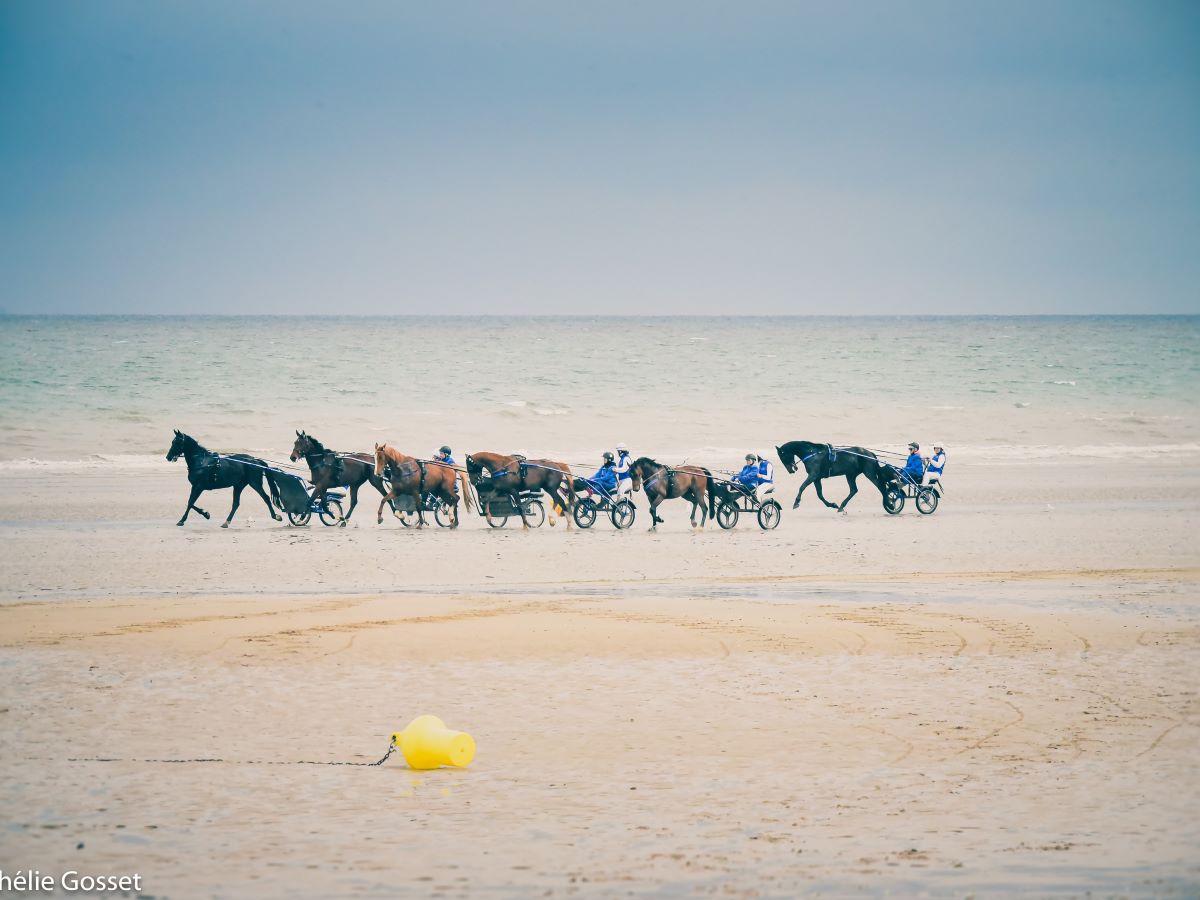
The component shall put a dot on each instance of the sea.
(106, 392)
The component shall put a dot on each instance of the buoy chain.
(239, 762)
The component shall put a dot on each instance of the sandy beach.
(996, 699)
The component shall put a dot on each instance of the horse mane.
(646, 460)
(190, 443)
(317, 446)
(393, 454)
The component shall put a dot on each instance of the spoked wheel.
(444, 514)
(535, 512)
(334, 515)
(585, 512)
(497, 521)
(893, 501)
(768, 515)
(727, 515)
(301, 518)
(408, 519)
(623, 513)
(927, 501)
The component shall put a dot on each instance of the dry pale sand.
(997, 699)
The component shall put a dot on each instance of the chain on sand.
(238, 762)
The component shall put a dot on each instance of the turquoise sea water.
(108, 390)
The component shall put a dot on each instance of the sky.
(623, 158)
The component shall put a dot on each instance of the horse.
(409, 475)
(330, 470)
(208, 471)
(823, 461)
(498, 473)
(661, 483)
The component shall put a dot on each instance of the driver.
(623, 469)
(914, 467)
(605, 479)
(443, 455)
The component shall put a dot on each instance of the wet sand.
(997, 699)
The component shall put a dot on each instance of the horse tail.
(270, 478)
(569, 490)
(468, 496)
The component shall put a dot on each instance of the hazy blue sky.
(626, 157)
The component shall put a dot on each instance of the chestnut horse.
(661, 483)
(511, 475)
(409, 475)
(331, 470)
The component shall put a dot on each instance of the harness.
(209, 466)
(333, 461)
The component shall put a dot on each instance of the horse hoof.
(796, 505)
(224, 524)
(342, 524)
(180, 522)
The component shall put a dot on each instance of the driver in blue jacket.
(757, 477)
(605, 479)
(914, 467)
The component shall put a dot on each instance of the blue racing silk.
(605, 478)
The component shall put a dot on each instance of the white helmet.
(938, 445)
(621, 448)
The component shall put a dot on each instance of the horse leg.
(516, 499)
(654, 519)
(389, 496)
(852, 480)
(353, 503)
(237, 499)
(258, 489)
(191, 504)
(799, 493)
(817, 485)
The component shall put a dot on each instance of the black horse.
(331, 470)
(208, 471)
(825, 461)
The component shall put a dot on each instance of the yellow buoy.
(427, 744)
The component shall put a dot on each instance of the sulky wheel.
(893, 500)
(535, 512)
(334, 513)
(444, 514)
(768, 515)
(585, 512)
(300, 518)
(927, 501)
(623, 513)
(727, 515)
(497, 521)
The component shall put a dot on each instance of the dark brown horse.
(332, 470)
(822, 461)
(661, 483)
(415, 477)
(208, 471)
(500, 473)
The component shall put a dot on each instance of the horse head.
(178, 446)
(788, 457)
(380, 459)
(302, 447)
(474, 469)
(641, 469)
